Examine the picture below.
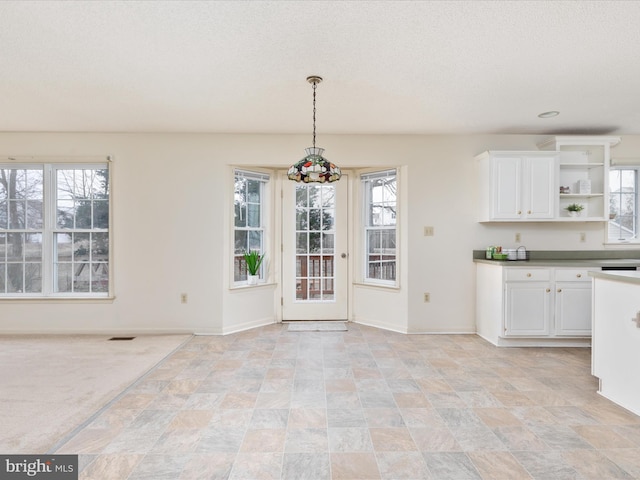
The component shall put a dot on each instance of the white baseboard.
(382, 325)
(543, 342)
(114, 332)
(241, 327)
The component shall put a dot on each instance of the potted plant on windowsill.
(575, 209)
(253, 260)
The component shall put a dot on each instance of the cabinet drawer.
(527, 274)
(572, 275)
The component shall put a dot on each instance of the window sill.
(623, 245)
(76, 300)
(238, 288)
(376, 285)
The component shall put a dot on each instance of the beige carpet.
(50, 385)
(327, 326)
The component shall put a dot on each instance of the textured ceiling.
(409, 67)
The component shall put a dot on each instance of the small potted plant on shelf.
(575, 209)
(253, 260)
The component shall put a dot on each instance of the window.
(380, 194)
(54, 230)
(249, 219)
(623, 204)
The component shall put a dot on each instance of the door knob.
(344, 255)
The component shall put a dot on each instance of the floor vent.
(121, 338)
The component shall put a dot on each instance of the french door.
(314, 251)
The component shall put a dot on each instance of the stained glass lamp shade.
(314, 168)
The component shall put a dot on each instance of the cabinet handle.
(548, 290)
(579, 275)
(528, 274)
(529, 212)
(559, 290)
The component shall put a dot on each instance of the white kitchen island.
(615, 355)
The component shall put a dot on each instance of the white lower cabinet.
(544, 305)
(573, 302)
(527, 309)
(527, 301)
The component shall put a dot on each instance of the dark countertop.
(572, 258)
(581, 263)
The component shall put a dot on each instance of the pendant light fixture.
(314, 167)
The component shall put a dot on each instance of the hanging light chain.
(315, 84)
(314, 80)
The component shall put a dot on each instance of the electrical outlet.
(427, 297)
(583, 237)
(183, 298)
(428, 231)
(518, 238)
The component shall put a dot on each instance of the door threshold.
(301, 320)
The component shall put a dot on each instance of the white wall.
(170, 232)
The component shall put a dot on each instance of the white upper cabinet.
(583, 174)
(539, 186)
(517, 186)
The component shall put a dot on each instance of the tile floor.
(361, 404)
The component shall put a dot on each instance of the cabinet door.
(507, 187)
(540, 187)
(524, 187)
(573, 308)
(527, 308)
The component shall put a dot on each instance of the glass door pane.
(315, 232)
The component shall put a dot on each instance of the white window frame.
(635, 240)
(365, 178)
(50, 229)
(264, 180)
